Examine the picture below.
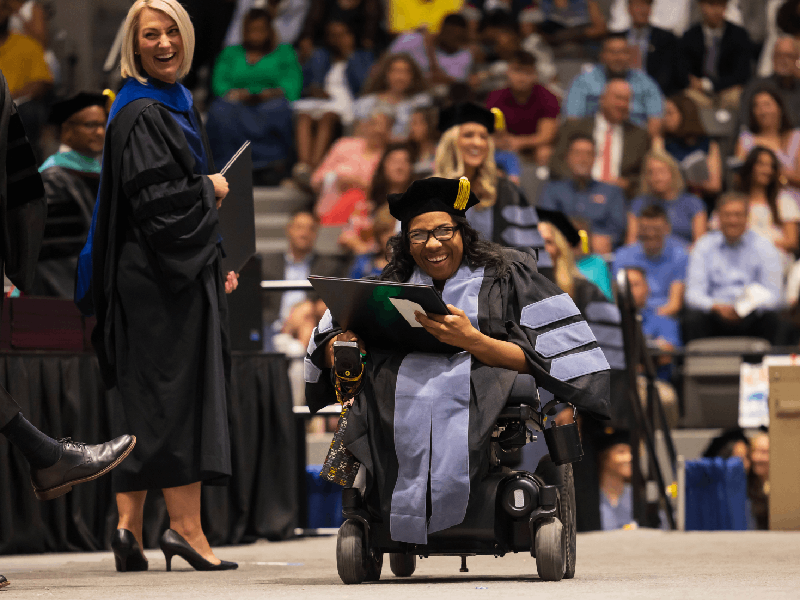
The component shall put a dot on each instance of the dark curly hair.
(479, 252)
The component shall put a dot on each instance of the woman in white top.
(773, 212)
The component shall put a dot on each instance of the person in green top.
(254, 84)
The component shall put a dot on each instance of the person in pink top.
(531, 111)
(343, 178)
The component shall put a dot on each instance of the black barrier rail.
(645, 507)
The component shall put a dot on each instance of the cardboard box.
(784, 448)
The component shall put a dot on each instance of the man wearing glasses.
(71, 177)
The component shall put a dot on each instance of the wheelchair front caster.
(403, 565)
(353, 560)
(550, 549)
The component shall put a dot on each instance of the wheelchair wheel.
(562, 476)
(403, 565)
(551, 549)
(374, 567)
(351, 555)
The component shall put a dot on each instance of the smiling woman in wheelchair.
(422, 424)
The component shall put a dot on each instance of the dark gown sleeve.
(319, 388)
(560, 348)
(173, 208)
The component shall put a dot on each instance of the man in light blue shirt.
(583, 98)
(725, 265)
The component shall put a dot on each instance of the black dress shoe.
(128, 555)
(172, 543)
(79, 463)
(4, 582)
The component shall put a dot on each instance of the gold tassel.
(584, 241)
(110, 96)
(499, 119)
(463, 194)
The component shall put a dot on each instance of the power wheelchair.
(509, 510)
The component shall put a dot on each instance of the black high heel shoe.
(127, 553)
(173, 544)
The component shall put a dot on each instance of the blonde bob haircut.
(449, 163)
(130, 63)
(662, 156)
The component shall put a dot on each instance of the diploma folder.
(237, 214)
(382, 312)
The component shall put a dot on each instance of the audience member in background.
(362, 18)
(645, 107)
(71, 178)
(501, 41)
(687, 142)
(730, 443)
(333, 78)
(661, 257)
(758, 481)
(370, 264)
(345, 174)
(615, 459)
(296, 264)
(580, 194)
(32, 19)
(211, 22)
(531, 111)
(662, 185)
(443, 57)
(423, 137)
(773, 210)
(571, 22)
(619, 145)
(784, 80)
(769, 126)
(254, 84)
(466, 149)
(730, 266)
(288, 17)
(717, 57)
(396, 87)
(29, 79)
(661, 333)
(393, 175)
(654, 50)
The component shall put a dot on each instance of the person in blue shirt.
(661, 257)
(602, 204)
(723, 266)
(584, 94)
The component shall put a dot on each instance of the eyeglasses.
(89, 125)
(441, 233)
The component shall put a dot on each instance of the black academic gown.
(70, 201)
(511, 221)
(159, 298)
(502, 313)
(22, 212)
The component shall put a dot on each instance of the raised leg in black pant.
(39, 450)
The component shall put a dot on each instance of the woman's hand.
(454, 329)
(220, 187)
(231, 282)
(345, 336)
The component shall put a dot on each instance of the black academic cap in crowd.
(469, 112)
(726, 437)
(561, 222)
(611, 437)
(434, 194)
(64, 109)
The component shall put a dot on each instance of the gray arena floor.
(614, 565)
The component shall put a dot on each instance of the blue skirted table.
(63, 395)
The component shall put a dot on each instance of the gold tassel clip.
(463, 194)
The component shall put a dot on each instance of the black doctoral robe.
(70, 201)
(521, 307)
(159, 297)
